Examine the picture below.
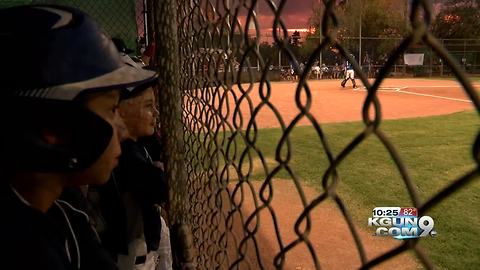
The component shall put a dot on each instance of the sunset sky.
(295, 14)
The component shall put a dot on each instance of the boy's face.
(104, 105)
(139, 114)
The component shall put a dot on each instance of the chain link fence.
(209, 55)
(124, 19)
(217, 178)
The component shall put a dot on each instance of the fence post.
(441, 61)
(170, 100)
(149, 7)
(431, 62)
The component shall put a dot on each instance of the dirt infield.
(330, 236)
(399, 98)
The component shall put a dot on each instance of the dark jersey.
(31, 239)
(59, 239)
(348, 65)
(92, 254)
(140, 180)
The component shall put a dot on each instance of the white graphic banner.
(413, 59)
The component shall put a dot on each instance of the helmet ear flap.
(44, 141)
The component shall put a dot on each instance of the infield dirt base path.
(330, 235)
(399, 98)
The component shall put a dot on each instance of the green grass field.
(435, 150)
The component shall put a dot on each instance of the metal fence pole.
(149, 8)
(145, 23)
(227, 195)
(170, 101)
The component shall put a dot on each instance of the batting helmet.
(54, 55)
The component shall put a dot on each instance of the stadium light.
(360, 37)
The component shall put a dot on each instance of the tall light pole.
(258, 39)
(279, 52)
(320, 32)
(320, 42)
(229, 51)
(360, 37)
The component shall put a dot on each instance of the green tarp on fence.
(117, 17)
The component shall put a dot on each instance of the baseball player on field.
(349, 74)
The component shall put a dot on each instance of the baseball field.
(432, 125)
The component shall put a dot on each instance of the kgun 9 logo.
(401, 223)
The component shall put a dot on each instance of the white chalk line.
(441, 86)
(433, 96)
(401, 90)
(380, 89)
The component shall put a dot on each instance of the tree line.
(384, 24)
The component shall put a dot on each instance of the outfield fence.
(375, 51)
(210, 59)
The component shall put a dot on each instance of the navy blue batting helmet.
(52, 56)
